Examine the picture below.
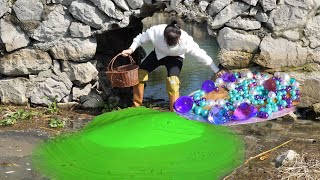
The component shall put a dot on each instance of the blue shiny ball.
(198, 110)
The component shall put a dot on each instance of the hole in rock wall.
(193, 73)
(109, 44)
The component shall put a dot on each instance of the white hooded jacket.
(186, 45)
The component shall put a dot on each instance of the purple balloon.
(183, 104)
(244, 111)
(228, 77)
(208, 86)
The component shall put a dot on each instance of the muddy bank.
(17, 144)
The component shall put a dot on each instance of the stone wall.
(58, 49)
(277, 35)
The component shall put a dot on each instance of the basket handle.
(110, 66)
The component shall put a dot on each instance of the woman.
(171, 44)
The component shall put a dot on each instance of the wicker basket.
(123, 76)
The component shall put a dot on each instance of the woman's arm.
(140, 39)
(201, 55)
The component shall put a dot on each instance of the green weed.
(20, 114)
(56, 123)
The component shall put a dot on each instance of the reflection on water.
(193, 73)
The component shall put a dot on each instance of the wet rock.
(291, 117)
(245, 24)
(229, 12)
(109, 8)
(4, 7)
(12, 36)
(24, 62)
(74, 49)
(79, 30)
(233, 41)
(80, 73)
(28, 10)
(286, 158)
(88, 13)
(281, 52)
(55, 27)
(312, 31)
(234, 59)
(292, 14)
(49, 87)
(13, 90)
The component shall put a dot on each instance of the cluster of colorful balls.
(249, 95)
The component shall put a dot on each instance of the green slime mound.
(140, 143)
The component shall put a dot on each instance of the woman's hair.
(172, 33)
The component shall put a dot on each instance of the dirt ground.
(301, 135)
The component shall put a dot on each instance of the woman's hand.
(126, 52)
(218, 74)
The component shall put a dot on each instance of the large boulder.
(268, 5)
(49, 87)
(233, 41)
(80, 73)
(108, 7)
(245, 24)
(216, 6)
(231, 11)
(88, 13)
(12, 36)
(291, 14)
(13, 90)
(28, 10)
(122, 4)
(310, 83)
(24, 62)
(55, 27)
(280, 52)
(78, 92)
(135, 4)
(234, 59)
(4, 7)
(74, 49)
(312, 31)
(79, 30)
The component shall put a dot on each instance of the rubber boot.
(138, 91)
(172, 98)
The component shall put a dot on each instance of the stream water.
(193, 73)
